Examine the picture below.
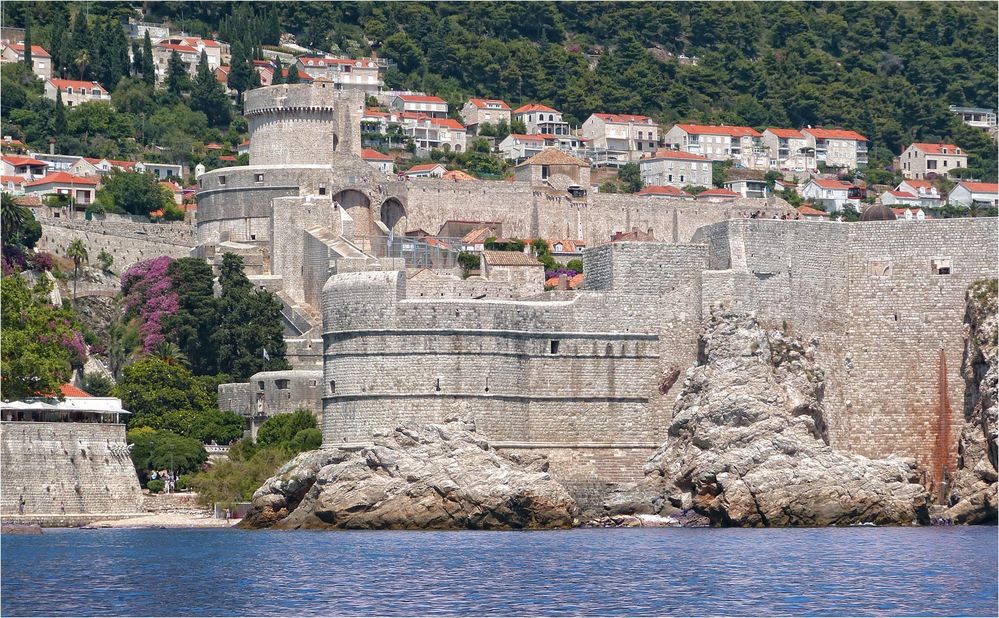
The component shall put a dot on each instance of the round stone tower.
(302, 123)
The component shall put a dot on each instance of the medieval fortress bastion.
(382, 328)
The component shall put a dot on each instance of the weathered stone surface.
(748, 445)
(973, 494)
(442, 476)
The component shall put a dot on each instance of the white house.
(749, 188)
(541, 119)
(432, 133)
(922, 160)
(675, 168)
(435, 107)
(627, 135)
(378, 160)
(12, 184)
(425, 170)
(75, 92)
(974, 193)
(743, 145)
(833, 195)
(81, 189)
(519, 147)
(909, 214)
(899, 198)
(929, 196)
(837, 148)
(28, 168)
(788, 150)
(484, 111)
(41, 61)
(345, 73)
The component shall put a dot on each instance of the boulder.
(972, 498)
(440, 476)
(748, 444)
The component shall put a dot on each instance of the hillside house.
(909, 214)
(675, 168)
(929, 196)
(12, 184)
(716, 195)
(41, 61)
(788, 150)
(28, 168)
(484, 111)
(557, 171)
(920, 160)
(425, 170)
(378, 160)
(189, 55)
(428, 105)
(837, 148)
(346, 73)
(75, 92)
(667, 191)
(432, 133)
(970, 194)
(978, 117)
(743, 145)
(832, 195)
(80, 189)
(625, 137)
(518, 147)
(541, 119)
(899, 198)
(747, 187)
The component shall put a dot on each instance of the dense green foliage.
(888, 70)
(154, 449)
(251, 463)
(133, 193)
(40, 343)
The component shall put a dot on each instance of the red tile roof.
(14, 179)
(663, 190)
(677, 154)
(574, 281)
(372, 154)
(68, 390)
(904, 194)
(534, 107)
(710, 129)
(450, 123)
(786, 133)
(980, 187)
(484, 103)
(477, 236)
(530, 138)
(229, 158)
(938, 149)
(36, 50)
(62, 84)
(827, 183)
(919, 184)
(421, 98)
(624, 118)
(718, 193)
(422, 167)
(186, 49)
(63, 178)
(458, 175)
(835, 134)
(809, 211)
(18, 161)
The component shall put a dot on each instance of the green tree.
(148, 69)
(133, 192)
(164, 450)
(27, 42)
(105, 260)
(177, 78)
(282, 429)
(77, 251)
(278, 77)
(293, 74)
(502, 130)
(35, 353)
(59, 124)
(97, 384)
(78, 52)
(241, 70)
(192, 327)
(630, 177)
(17, 224)
(207, 96)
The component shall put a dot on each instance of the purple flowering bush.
(568, 272)
(149, 295)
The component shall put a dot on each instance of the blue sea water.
(827, 571)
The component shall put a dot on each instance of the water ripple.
(815, 572)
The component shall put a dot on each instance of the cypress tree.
(57, 45)
(148, 68)
(59, 118)
(176, 74)
(208, 96)
(118, 52)
(293, 74)
(278, 73)
(79, 46)
(27, 41)
(137, 62)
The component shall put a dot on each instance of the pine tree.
(177, 78)
(27, 41)
(293, 74)
(59, 118)
(57, 45)
(148, 68)
(278, 73)
(208, 96)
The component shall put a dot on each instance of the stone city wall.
(881, 318)
(82, 466)
(128, 243)
(269, 393)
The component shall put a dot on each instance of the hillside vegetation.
(887, 70)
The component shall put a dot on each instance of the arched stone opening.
(334, 140)
(358, 206)
(393, 215)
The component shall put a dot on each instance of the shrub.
(155, 486)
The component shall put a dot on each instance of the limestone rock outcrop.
(748, 445)
(972, 497)
(440, 476)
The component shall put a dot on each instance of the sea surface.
(827, 571)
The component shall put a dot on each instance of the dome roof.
(879, 212)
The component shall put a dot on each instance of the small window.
(282, 385)
(437, 385)
(940, 266)
(312, 382)
(254, 237)
(258, 178)
(553, 346)
(544, 172)
(222, 181)
(260, 385)
(333, 387)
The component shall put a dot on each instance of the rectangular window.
(553, 346)
(221, 181)
(258, 178)
(544, 172)
(322, 189)
(332, 387)
(940, 266)
(931, 164)
(282, 385)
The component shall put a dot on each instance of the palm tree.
(170, 353)
(124, 340)
(82, 61)
(77, 252)
(12, 216)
